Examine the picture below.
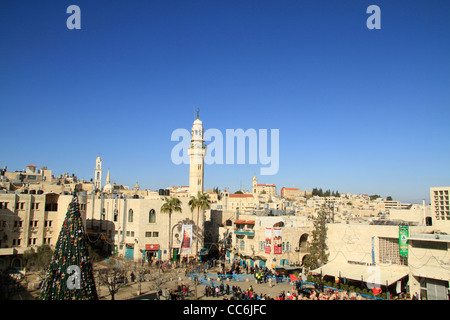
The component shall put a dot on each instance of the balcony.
(244, 232)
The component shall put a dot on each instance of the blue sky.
(359, 110)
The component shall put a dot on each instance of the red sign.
(151, 247)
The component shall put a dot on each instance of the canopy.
(379, 274)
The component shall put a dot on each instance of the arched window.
(242, 245)
(130, 215)
(152, 216)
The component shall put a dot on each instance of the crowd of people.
(227, 292)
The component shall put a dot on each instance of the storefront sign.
(151, 247)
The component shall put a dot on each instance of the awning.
(288, 268)
(378, 274)
(244, 222)
(151, 247)
(259, 258)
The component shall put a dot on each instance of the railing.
(248, 232)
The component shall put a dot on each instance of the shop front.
(152, 252)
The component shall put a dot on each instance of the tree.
(113, 277)
(317, 247)
(38, 260)
(389, 198)
(171, 205)
(201, 202)
(69, 275)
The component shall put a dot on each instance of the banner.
(268, 238)
(277, 241)
(186, 242)
(403, 234)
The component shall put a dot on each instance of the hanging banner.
(186, 243)
(277, 241)
(268, 238)
(403, 234)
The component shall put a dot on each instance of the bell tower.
(98, 173)
(255, 186)
(197, 152)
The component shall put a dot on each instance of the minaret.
(197, 152)
(98, 173)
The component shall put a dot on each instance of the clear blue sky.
(359, 110)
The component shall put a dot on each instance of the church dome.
(108, 188)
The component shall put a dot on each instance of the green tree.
(317, 247)
(201, 202)
(171, 205)
(38, 260)
(389, 198)
(69, 275)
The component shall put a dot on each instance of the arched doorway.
(303, 242)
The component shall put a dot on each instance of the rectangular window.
(389, 251)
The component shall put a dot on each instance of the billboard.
(277, 241)
(186, 241)
(403, 234)
(268, 238)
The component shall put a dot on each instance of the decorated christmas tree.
(70, 275)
